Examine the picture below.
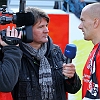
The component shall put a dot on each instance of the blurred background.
(64, 21)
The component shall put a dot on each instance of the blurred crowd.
(76, 6)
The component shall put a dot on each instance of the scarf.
(92, 89)
(45, 76)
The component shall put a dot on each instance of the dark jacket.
(28, 87)
(10, 62)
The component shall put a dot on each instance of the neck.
(35, 46)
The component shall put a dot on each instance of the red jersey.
(88, 70)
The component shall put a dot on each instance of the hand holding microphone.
(68, 67)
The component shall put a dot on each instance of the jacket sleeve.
(73, 85)
(9, 67)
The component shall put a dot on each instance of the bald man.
(90, 26)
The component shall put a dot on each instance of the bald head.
(92, 10)
(90, 22)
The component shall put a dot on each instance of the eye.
(47, 25)
(41, 26)
(82, 19)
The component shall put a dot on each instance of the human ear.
(96, 22)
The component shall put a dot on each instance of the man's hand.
(12, 33)
(68, 70)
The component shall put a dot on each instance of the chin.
(86, 39)
(46, 40)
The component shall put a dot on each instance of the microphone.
(70, 53)
(22, 18)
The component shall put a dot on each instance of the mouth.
(45, 36)
(83, 32)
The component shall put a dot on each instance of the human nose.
(46, 29)
(80, 26)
